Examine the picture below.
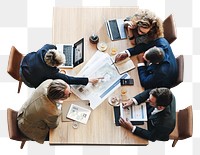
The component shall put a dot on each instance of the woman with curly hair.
(144, 30)
(143, 27)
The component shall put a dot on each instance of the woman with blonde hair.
(39, 66)
(143, 27)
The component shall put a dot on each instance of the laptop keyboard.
(67, 50)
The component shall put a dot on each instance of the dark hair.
(56, 90)
(155, 55)
(163, 96)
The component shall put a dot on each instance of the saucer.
(114, 101)
(102, 46)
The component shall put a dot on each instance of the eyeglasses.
(144, 24)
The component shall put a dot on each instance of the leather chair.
(180, 64)
(14, 65)
(13, 130)
(169, 29)
(184, 125)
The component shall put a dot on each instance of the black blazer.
(35, 70)
(163, 74)
(161, 124)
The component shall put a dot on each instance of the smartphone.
(126, 82)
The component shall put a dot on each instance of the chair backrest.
(13, 130)
(180, 65)
(169, 29)
(14, 63)
(184, 125)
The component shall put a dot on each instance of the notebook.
(74, 53)
(115, 29)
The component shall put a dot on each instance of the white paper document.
(134, 113)
(78, 113)
(100, 65)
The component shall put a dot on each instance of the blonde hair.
(54, 58)
(146, 18)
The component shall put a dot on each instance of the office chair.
(13, 130)
(184, 125)
(169, 29)
(180, 65)
(14, 65)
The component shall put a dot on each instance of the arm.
(53, 121)
(70, 79)
(139, 49)
(142, 97)
(157, 133)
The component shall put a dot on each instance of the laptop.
(115, 29)
(74, 53)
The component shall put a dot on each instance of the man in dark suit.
(36, 67)
(161, 112)
(162, 69)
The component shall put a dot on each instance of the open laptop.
(115, 29)
(74, 53)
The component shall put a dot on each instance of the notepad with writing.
(124, 65)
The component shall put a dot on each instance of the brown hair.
(56, 90)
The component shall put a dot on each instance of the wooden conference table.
(69, 25)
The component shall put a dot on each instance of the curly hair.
(146, 18)
(54, 58)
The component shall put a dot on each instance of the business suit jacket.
(161, 124)
(163, 74)
(35, 70)
(38, 115)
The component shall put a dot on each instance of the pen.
(100, 78)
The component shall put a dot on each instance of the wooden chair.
(13, 130)
(169, 29)
(184, 125)
(14, 65)
(180, 64)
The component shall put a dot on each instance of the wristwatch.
(130, 38)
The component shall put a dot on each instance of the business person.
(160, 71)
(39, 113)
(143, 27)
(161, 113)
(157, 68)
(39, 66)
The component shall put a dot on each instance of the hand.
(127, 103)
(129, 24)
(140, 58)
(126, 124)
(95, 80)
(121, 56)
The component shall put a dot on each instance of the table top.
(69, 25)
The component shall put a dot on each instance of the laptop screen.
(78, 52)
